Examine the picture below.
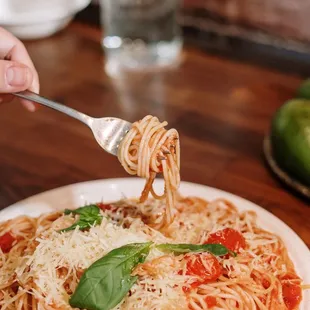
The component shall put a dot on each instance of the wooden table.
(222, 110)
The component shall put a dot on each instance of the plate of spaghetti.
(95, 246)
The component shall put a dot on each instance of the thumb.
(14, 77)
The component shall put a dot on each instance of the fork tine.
(109, 132)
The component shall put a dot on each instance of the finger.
(19, 53)
(13, 49)
(14, 77)
(29, 105)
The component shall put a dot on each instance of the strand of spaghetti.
(5, 304)
(247, 297)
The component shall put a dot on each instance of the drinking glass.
(140, 34)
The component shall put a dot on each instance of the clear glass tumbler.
(140, 34)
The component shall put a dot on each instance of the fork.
(108, 131)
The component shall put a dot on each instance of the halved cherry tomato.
(6, 242)
(291, 291)
(205, 266)
(231, 238)
(291, 295)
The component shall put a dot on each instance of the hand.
(17, 71)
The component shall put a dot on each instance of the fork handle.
(31, 96)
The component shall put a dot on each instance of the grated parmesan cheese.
(77, 250)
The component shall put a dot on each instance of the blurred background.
(267, 32)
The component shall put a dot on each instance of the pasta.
(149, 149)
(44, 267)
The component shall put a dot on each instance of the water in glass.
(140, 34)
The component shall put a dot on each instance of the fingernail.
(29, 106)
(17, 76)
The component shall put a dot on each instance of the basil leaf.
(89, 216)
(88, 210)
(107, 281)
(215, 249)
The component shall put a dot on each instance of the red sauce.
(231, 238)
(291, 291)
(6, 242)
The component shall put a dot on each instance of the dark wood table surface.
(222, 110)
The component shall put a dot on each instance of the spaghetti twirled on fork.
(149, 149)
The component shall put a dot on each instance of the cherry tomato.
(291, 291)
(205, 266)
(231, 238)
(291, 295)
(6, 242)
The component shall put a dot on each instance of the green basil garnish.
(215, 249)
(107, 281)
(89, 216)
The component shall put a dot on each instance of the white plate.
(114, 189)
